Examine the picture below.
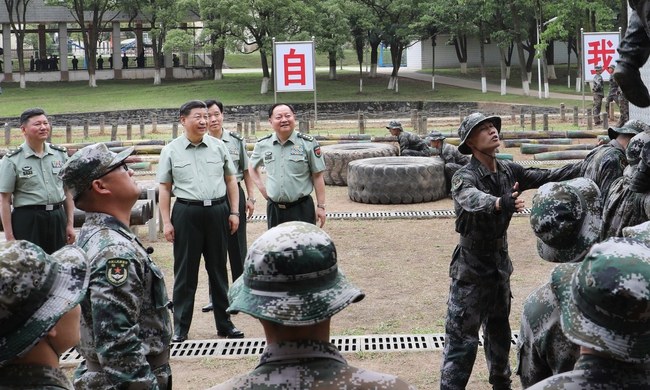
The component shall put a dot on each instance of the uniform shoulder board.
(306, 136)
(59, 148)
(14, 151)
(265, 137)
(237, 135)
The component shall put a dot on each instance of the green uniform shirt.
(288, 167)
(33, 180)
(195, 171)
(237, 147)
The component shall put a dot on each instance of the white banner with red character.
(599, 48)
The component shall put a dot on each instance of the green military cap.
(640, 232)
(435, 136)
(605, 300)
(566, 218)
(36, 290)
(394, 125)
(470, 122)
(634, 147)
(88, 164)
(632, 126)
(291, 277)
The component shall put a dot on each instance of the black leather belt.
(287, 205)
(202, 203)
(45, 207)
(482, 245)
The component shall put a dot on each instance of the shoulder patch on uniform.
(59, 148)
(237, 135)
(306, 136)
(456, 182)
(317, 151)
(14, 151)
(265, 137)
(117, 271)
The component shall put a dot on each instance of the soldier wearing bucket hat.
(566, 218)
(449, 154)
(628, 203)
(486, 195)
(606, 163)
(293, 286)
(605, 303)
(409, 144)
(39, 313)
(598, 91)
(126, 324)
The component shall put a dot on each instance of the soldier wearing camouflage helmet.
(39, 313)
(605, 309)
(628, 204)
(486, 194)
(293, 286)
(449, 154)
(409, 144)
(566, 218)
(126, 324)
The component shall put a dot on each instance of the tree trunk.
(265, 85)
(520, 49)
(504, 70)
(550, 61)
(433, 62)
(482, 54)
(374, 57)
(266, 77)
(157, 80)
(20, 41)
(218, 58)
(332, 65)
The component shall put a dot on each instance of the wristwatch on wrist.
(251, 200)
(234, 213)
(321, 206)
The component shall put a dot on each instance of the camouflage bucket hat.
(436, 136)
(470, 122)
(394, 125)
(605, 302)
(633, 127)
(88, 164)
(639, 232)
(634, 148)
(566, 218)
(36, 290)
(291, 278)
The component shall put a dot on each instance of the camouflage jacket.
(309, 365)
(475, 190)
(623, 208)
(543, 348)
(33, 377)
(593, 372)
(411, 141)
(597, 87)
(613, 88)
(450, 154)
(603, 165)
(125, 316)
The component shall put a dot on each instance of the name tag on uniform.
(207, 203)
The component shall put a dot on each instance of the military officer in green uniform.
(237, 246)
(42, 213)
(200, 172)
(294, 168)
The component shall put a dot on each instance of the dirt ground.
(401, 265)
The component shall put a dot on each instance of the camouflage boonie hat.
(605, 300)
(88, 164)
(598, 67)
(566, 218)
(394, 125)
(36, 290)
(291, 277)
(633, 127)
(639, 232)
(470, 122)
(634, 148)
(436, 136)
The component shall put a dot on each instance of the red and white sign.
(599, 48)
(294, 66)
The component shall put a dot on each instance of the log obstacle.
(541, 148)
(562, 155)
(552, 134)
(515, 143)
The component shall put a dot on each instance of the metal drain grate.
(224, 348)
(527, 163)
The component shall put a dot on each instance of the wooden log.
(351, 137)
(153, 158)
(504, 156)
(515, 143)
(562, 155)
(141, 166)
(552, 134)
(541, 148)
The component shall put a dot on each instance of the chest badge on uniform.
(268, 156)
(27, 170)
(117, 271)
(57, 164)
(457, 181)
(317, 150)
(297, 150)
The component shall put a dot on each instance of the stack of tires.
(338, 156)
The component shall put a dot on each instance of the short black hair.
(30, 113)
(280, 104)
(189, 106)
(210, 103)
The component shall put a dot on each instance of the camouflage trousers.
(598, 102)
(471, 306)
(624, 107)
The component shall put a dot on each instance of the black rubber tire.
(396, 180)
(338, 156)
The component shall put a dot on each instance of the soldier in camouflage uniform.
(125, 325)
(605, 302)
(566, 218)
(409, 144)
(293, 286)
(627, 205)
(39, 313)
(615, 95)
(486, 194)
(597, 90)
(449, 154)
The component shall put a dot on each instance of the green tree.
(16, 10)
(331, 30)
